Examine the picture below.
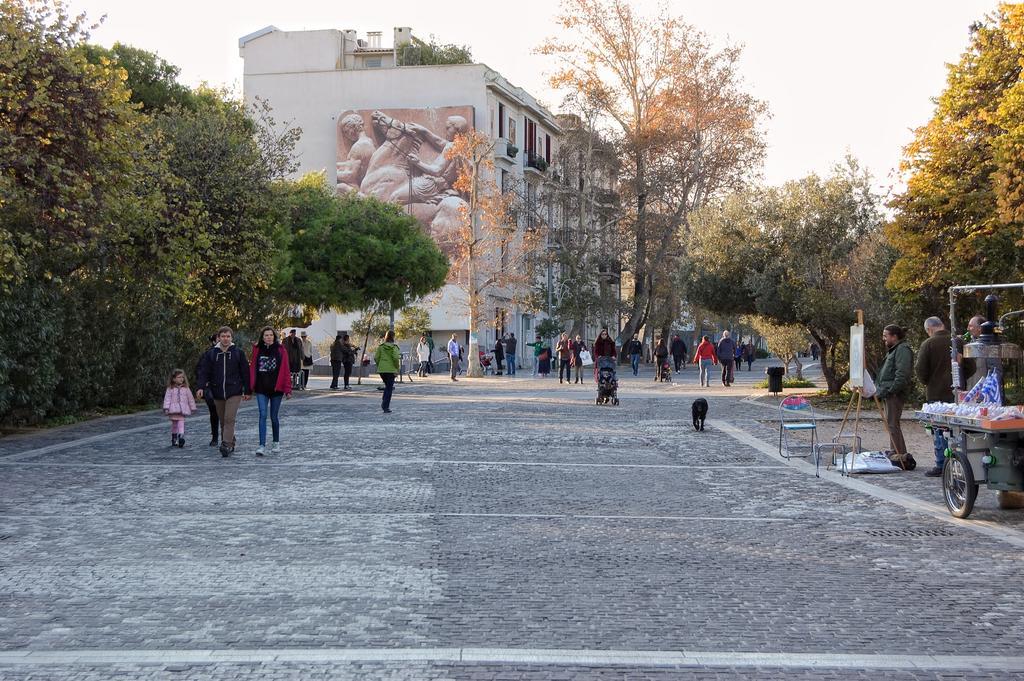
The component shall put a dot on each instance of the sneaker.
(387, 411)
(275, 448)
(174, 439)
(225, 450)
(934, 472)
(214, 442)
(260, 450)
(181, 441)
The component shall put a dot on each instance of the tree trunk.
(799, 368)
(833, 380)
(366, 342)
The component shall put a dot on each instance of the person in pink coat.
(178, 403)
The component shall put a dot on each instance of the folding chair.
(796, 416)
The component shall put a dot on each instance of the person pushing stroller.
(604, 369)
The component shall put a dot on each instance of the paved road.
(493, 529)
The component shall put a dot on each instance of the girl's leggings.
(177, 426)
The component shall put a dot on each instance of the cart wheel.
(599, 401)
(615, 401)
(958, 486)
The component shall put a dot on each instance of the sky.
(838, 77)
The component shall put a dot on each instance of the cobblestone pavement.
(499, 513)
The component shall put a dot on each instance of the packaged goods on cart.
(977, 410)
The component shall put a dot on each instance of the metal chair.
(796, 416)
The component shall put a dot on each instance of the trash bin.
(775, 375)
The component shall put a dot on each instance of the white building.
(315, 79)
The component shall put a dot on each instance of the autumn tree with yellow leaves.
(685, 128)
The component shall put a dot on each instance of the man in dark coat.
(726, 352)
(933, 369)
(293, 346)
(224, 373)
(337, 353)
(678, 349)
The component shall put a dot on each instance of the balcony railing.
(535, 161)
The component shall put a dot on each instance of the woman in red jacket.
(604, 346)
(270, 378)
(705, 358)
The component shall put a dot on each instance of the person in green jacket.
(388, 358)
(538, 347)
(895, 379)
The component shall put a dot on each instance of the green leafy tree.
(414, 321)
(152, 81)
(432, 52)
(813, 254)
(352, 253)
(959, 219)
(786, 341)
(373, 323)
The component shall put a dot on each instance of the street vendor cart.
(985, 436)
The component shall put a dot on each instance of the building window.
(501, 119)
(504, 181)
(511, 130)
(372, 63)
(547, 148)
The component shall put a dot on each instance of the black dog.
(700, 411)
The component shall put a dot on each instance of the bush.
(789, 383)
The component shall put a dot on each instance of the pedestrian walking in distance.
(635, 350)
(705, 357)
(453, 354)
(578, 348)
(564, 351)
(270, 378)
(499, 354)
(208, 398)
(388, 358)
(423, 356)
(727, 358)
(294, 347)
(178, 404)
(934, 371)
(226, 376)
(678, 349)
(337, 355)
(307, 359)
(510, 353)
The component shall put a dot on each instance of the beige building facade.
(361, 114)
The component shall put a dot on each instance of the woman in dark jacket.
(499, 354)
(224, 373)
(271, 382)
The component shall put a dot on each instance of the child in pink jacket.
(178, 403)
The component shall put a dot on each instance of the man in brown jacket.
(933, 370)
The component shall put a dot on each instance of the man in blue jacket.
(224, 373)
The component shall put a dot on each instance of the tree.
(373, 323)
(786, 341)
(959, 219)
(432, 52)
(489, 253)
(351, 252)
(813, 254)
(152, 81)
(685, 128)
(415, 321)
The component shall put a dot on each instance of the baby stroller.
(607, 381)
(665, 371)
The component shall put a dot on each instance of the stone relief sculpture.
(405, 161)
(352, 169)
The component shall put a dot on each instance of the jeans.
(274, 403)
(227, 410)
(511, 363)
(498, 361)
(563, 365)
(335, 371)
(940, 447)
(455, 366)
(305, 378)
(389, 389)
(677, 360)
(705, 371)
(635, 361)
(423, 368)
(348, 372)
(579, 371)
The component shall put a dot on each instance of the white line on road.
(522, 656)
(376, 463)
(989, 529)
(80, 517)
